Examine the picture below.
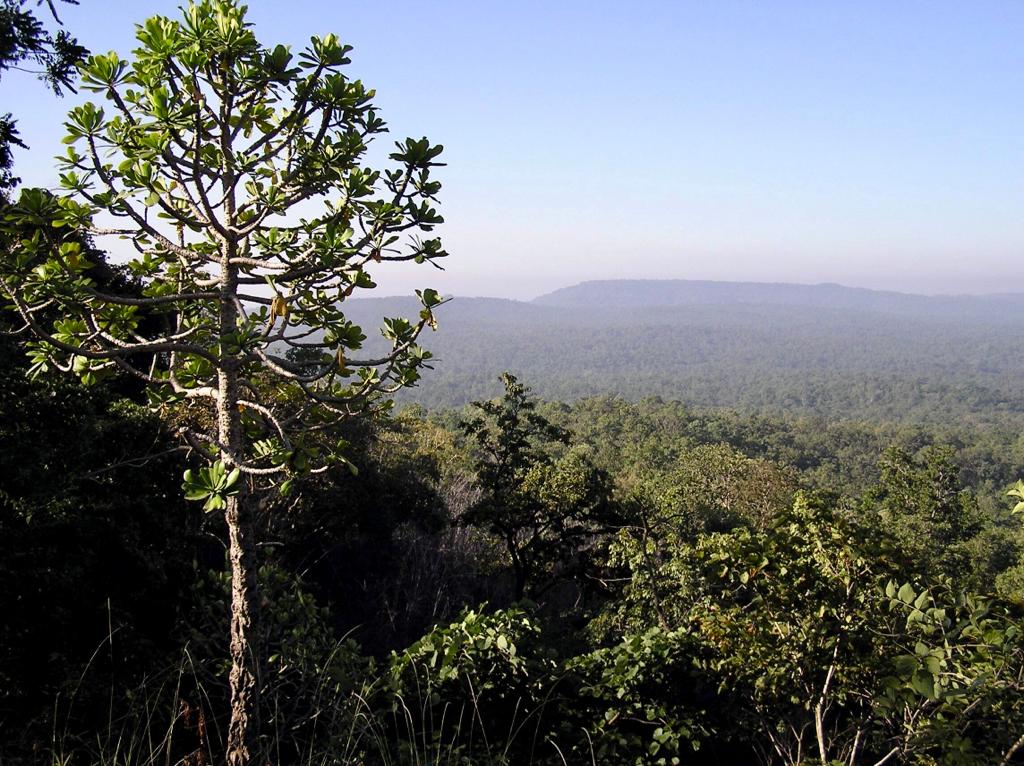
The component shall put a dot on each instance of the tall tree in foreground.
(234, 172)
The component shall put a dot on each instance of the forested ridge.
(911, 359)
(249, 517)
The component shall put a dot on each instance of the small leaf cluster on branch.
(235, 173)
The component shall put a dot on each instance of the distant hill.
(805, 349)
(685, 292)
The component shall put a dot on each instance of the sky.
(873, 144)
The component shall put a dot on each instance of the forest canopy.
(871, 356)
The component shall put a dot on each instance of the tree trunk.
(245, 650)
(244, 729)
(519, 569)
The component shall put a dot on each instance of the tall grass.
(176, 718)
(144, 722)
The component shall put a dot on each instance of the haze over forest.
(810, 349)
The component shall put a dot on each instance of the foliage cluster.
(731, 612)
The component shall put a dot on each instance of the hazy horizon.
(869, 144)
(384, 293)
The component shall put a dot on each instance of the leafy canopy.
(235, 174)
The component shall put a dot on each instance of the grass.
(156, 723)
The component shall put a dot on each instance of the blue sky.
(878, 144)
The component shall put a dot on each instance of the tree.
(713, 488)
(234, 171)
(809, 640)
(956, 690)
(920, 501)
(709, 488)
(541, 508)
(23, 38)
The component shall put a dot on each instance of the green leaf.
(923, 683)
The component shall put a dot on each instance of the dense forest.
(645, 582)
(772, 349)
(627, 523)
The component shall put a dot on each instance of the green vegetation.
(829, 573)
(203, 188)
(544, 510)
(941, 362)
(702, 588)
